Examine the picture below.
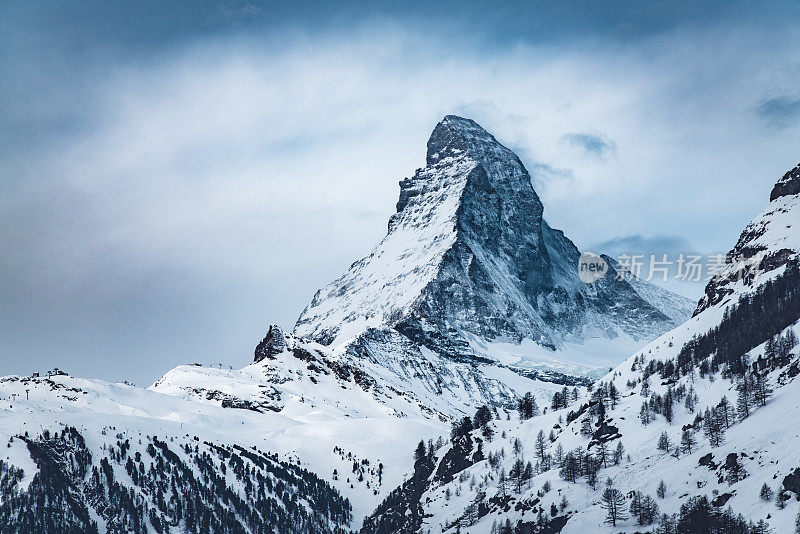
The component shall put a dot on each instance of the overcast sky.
(175, 178)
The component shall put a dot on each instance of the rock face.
(273, 343)
(769, 242)
(469, 256)
(788, 185)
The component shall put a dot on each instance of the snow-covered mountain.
(469, 267)
(693, 433)
(484, 306)
(470, 299)
(82, 456)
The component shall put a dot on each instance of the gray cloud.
(593, 144)
(780, 111)
(639, 244)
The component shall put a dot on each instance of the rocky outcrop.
(788, 185)
(769, 242)
(791, 482)
(273, 343)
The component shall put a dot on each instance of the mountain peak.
(455, 135)
(468, 255)
(789, 184)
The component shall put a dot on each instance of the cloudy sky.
(173, 179)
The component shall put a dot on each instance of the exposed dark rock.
(458, 458)
(708, 461)
(738, 261)
(791, 482)
(720, 500)
(604, 433)
(273, 343)
(552, 526)
(401, 512)
(788, 185)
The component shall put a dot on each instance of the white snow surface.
(100, 410)
(381, 288)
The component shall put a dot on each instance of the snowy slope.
(404, 263)
(765, 447)
(384, 378)
(304, 432)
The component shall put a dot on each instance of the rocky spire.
(455, 135)
(273, 343)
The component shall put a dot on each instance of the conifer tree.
(667, 408)
(602, 454)
(559, 456)
(726, 411)
(691, 400)
(613, 501)
(619, 452)
(613, 395)
(502, 482)
(645, 415)
(540, 447)
(762, 391)
(664, 443)
(643, 508)
(713, 427)
(661, 491)
(766, 493)
(744, 399)
(586, 426)
(688, 442)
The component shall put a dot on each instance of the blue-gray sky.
(176, 175)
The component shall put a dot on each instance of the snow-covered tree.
(766, 493)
